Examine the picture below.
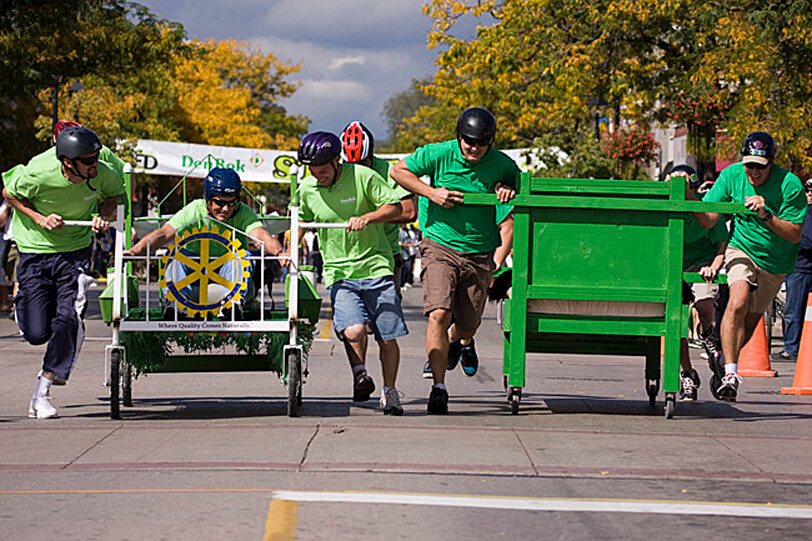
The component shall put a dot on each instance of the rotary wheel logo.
(208, 269)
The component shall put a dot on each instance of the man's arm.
(384, 213)
(705, 219)
(48, 223)
(408, 212)
(506, 235)
(156, 239)
(441, 196)
(271, 243)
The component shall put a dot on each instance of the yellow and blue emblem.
(208, 242)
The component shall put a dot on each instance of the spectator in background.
(799, 284)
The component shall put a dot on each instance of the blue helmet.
(222, 181)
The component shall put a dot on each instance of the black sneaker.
(469, 359)
(427, 373)
(454, 352)
(784, 356)
(363, 387)
(710, 343)
(438, 401)
(716, 363)
(688, 386)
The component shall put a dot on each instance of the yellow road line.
(281, 522)
(327, 326)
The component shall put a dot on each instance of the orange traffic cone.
(802, 382)
(754, 357)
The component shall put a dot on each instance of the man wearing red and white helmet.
(357, 146)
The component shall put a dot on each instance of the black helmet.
(694, 179)
(319, 148)
(77, 141)
(758, 147)
(478, 124)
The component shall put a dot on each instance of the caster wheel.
(670, 406)
(515, 400)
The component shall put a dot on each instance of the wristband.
(767, 216)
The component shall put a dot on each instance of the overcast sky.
(354, 53)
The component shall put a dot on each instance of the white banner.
(253, 165)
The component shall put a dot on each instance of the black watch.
(767, 216)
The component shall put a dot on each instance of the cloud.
(338, 63)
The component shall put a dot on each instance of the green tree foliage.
(401, 106)
(537, 63)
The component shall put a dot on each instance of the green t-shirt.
(784, 197)
(42, 184)
(351, 255)
(392, 231)
(195, 215)
(700, 244)
(465, 228)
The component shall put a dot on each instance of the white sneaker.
(42, 408)
(729, 388)
(390, 402)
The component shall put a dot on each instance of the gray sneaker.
(390, 402)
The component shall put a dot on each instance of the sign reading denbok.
(253, 165)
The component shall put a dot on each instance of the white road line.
(738, 509)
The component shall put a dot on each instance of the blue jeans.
(799, 285)
(374, 300)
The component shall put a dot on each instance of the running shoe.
(729, 388)
(390, 402)
(454, 352)
(438, 401)
(427, 370)
(688, 386)
(42, 409)
(363, 387)
(469, 359)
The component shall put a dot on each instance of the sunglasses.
(757, 166)
(475, 142)
(89, 161)
(220, 203)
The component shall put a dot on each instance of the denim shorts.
(373, 300)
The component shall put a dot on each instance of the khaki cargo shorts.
(765, 285)
(455, 281)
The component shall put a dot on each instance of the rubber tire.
(653, 389)
(115, 384)
(294, 384)
(515, 400)
(670, 406)
(127, 386)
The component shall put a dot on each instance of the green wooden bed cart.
(597, 269)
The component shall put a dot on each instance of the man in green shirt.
(358, 146)
(762, 247)
(55, 186)
(358, 262)
(222, 188)
(458, 240)
(703, 252)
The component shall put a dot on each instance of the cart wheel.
(115, 365)
(127, 386)
(505, 382)
(294, 384)
(652, 388)
(670, 406)
(515, 400)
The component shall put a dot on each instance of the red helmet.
(61, 125)
(356, 142)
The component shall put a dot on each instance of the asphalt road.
(203, 456)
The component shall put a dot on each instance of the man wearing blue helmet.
(222, 188)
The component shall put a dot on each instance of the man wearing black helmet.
(221, 189)
(459, 240)
(55, 186)
(762, 247)
(358, 263)
(703, 252)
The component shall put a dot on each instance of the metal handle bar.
(316, 225)
(85, 223)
